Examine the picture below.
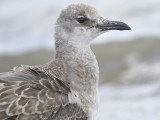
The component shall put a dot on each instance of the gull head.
(81, 23)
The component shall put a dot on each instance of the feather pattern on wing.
(31, 94)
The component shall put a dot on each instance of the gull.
(66, 88)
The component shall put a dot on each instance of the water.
(130, 103)
(130, 80)
(133, 93)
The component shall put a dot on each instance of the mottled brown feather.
(31, 95)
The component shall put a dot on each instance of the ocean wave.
(141, 72)
(129, 102)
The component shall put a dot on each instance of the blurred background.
(129, 61)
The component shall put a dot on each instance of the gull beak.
(113, 25)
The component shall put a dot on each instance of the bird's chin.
(102, 32)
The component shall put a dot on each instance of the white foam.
(129, 103)
(141, 71)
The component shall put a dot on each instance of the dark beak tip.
(123, 26)
(128, 27)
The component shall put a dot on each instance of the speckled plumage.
(66, 88)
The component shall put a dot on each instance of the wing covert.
(31, 94)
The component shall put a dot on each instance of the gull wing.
(23, 73)
(31, 94)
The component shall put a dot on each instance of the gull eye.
(81, 19)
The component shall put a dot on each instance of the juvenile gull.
(66, 88)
